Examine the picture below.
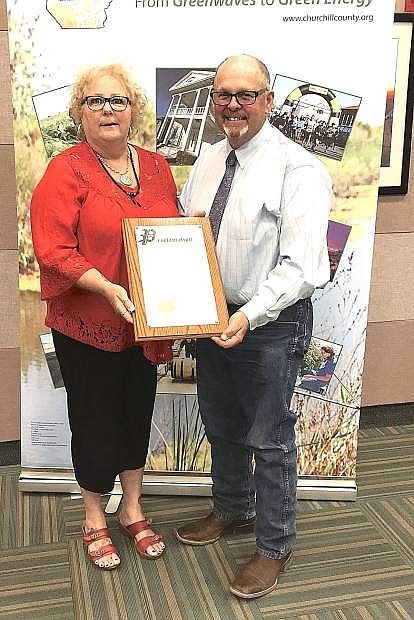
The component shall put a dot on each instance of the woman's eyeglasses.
(95, 103)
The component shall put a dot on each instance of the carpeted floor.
(352, 560)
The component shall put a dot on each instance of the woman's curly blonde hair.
(117, 71)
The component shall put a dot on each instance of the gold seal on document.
(166, 306)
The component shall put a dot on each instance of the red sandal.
(143, 544)
(92, 536)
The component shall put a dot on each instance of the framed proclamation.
(174, 278)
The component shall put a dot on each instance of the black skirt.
(110, 400)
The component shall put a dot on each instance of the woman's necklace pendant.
(125, 179)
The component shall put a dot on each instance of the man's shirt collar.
(244, 152)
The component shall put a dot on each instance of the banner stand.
(171, 483)
(331, 104)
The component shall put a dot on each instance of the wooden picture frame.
(396, 150)
(174, 277)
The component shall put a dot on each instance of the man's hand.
(234, 332)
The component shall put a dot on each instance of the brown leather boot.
(259, 576)
(208, 530)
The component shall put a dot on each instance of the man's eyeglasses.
(243, 97)
(95, 103)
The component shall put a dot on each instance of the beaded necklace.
(123, 176)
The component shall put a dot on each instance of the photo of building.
(184, 120)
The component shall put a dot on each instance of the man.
(271, 245)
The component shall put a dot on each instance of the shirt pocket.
(240, 227)
(254, 219)
(242, 219)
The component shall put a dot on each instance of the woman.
(76, 216)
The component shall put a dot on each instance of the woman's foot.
(135, 517)
(101, 550)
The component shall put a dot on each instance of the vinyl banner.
(329, 63)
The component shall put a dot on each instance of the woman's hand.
(92, 280)
(197, 214)
(117, 296)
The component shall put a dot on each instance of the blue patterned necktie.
(222, 194)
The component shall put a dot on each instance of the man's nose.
(233, 103)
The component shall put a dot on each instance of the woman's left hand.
(119, 300)
(92, 280)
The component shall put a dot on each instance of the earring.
(79, 131)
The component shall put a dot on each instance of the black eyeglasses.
(95, 103)
(243, 97)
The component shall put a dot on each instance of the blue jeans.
(244, 396)
(313, 386)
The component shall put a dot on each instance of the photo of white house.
(184, 120)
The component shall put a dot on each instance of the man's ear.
(270, 99)
(211, 108)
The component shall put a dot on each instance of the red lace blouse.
(76, 214)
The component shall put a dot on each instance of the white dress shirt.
(271, 247)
